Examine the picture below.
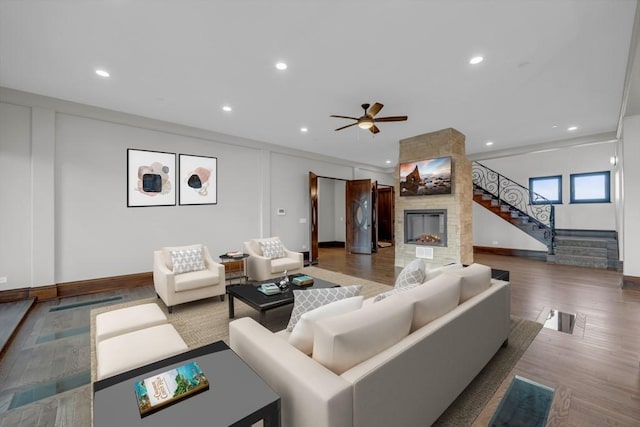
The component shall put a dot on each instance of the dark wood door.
(385, 214)
(374, 216)
(359, 216)
(313, 221)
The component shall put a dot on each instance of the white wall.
(564, 161)
(63, 192)
(15, 194)
(631, 203)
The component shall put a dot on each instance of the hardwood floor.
(595, 371)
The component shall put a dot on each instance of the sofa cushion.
(128, 319)
(272, 248)
(341, 342)
(394, 291)
(302, 335)
(435, 272)
(412, 273)
(279, 265)
(166, 252)
(475, 279)
(307, 299)
(187, 260)
(196, 280)
(433, 299)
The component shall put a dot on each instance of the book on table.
(169, 387)
(302, 280)
(269, 288)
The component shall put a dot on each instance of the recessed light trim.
(488, 143)
(572, 128)
(554, 126)
(103, 73)
(476, 60)
(388, 162)
(281, 66)
(226, 108)
(304, 129)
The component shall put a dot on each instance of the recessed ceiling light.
(554, 126)
(489, 143)
(388, 162)
(476, 60)
(281, 66)
(103, 73)
(572, 128)
(226, 108)
(303, 129)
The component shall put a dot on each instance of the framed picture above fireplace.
(426, 177)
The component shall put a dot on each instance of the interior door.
(385, 214)
(313, 222)
(374, 216)
(358, 216)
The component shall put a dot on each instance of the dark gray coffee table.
(250, 295)
(237, 396)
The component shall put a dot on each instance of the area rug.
(207, 321)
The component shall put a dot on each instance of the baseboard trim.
(81, 287)
(631, 282)
(334, 244)
(510, 252)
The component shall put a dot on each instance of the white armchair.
(186, 273)
(268, 258)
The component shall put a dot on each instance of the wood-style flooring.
(595, 371)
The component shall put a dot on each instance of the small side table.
(235, 267)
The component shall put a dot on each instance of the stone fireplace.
(425, 227)
(441, 222)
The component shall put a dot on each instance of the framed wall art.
(426, 177)
(198, 180)
(151, 178)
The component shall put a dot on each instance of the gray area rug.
(207, 321)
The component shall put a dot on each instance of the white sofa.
(261, 266)
(413, 365)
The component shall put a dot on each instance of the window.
(549, 187)
(590, 187)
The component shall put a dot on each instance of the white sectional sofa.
(400, 361)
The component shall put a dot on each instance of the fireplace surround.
(425, 227)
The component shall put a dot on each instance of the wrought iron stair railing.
(519, 200)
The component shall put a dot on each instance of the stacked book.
(269, 288)
(302, 280)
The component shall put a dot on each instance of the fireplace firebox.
(425, 227)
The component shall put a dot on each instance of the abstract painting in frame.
(198, 180)
(151, 178)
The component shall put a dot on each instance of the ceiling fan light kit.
(368, 121)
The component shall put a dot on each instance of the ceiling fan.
(368, 120)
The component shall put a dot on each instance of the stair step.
(582, 251)
(582, 261)
(590, 242)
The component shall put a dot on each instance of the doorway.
(346, 214)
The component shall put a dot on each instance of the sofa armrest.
(216, 267)
(295, 255)
(311, 394)
(258, 266)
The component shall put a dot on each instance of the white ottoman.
(129, 319)
(138, 348)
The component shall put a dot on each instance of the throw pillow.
(272, 248)
(412, 273)
(186, 260)
(433, 299)
(307, 299)
(475, 279)
(435, 272)
(394, 291)
(302, 335)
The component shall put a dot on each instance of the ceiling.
(546, 63)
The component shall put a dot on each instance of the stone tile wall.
(445, 142)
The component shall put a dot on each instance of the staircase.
(535, 215)
(512, 202)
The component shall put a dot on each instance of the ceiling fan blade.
(374, 129)
(344, 117)
(390, 119)
(375, 109)
(347, 126)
